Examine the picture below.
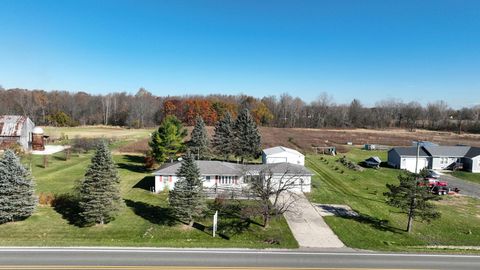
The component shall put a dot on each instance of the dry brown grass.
(304, 139)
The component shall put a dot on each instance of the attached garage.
(409, 163)
(405, 158)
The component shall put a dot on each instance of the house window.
(226, 179)
(170, 178)
(207, 178)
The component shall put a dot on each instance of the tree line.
(239, 138)
(143, 109)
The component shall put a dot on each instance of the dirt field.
(305, 139)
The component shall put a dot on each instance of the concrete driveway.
(308, 227)
(466, 188)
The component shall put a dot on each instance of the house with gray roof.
(234, 176)
(435, 157)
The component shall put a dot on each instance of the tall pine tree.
(17, 200)
(167, 141)
(99, 192)
(247, 137)
(223, 138)
(413, 198)
(187, 200)
(199, 143)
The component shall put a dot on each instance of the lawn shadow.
(67, 205)
(134, 164)
(146, 183)
(61, 158)
(379, 224)
(385, 164)
(154, 214)
(234, 218)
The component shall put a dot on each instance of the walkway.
(308, 226)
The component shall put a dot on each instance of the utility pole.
(418, 153)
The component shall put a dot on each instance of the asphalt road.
(134, 258)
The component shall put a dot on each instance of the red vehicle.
(432, 182)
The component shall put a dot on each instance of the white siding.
(302, 183)
(166, 182)
(284, 157)
(409, 163)
(476, 164)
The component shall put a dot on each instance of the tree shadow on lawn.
(134, 164)
(67, 205)
(146, 183)
(154, 214)
(162, 216)
(379, 224)
(234, 218)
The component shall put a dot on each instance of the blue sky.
(371, 50)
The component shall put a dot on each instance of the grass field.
(97, 132)
(379, 226)
(472, 177)
(142, 221)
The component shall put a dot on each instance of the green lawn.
(142, 221)
(379, 226)
(472, 177)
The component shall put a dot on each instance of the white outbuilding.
(281, 154)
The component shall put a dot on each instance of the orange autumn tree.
(199, 107)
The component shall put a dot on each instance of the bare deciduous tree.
(274, 191)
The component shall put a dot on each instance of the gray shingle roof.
(439, 151)
(410, 151)
(374, 159)
(447, 151)
(211, 167)
(473, 152)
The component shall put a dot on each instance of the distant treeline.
(144, 109)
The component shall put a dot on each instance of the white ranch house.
(234, 176)
(435, 157)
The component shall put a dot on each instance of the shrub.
(83, 145)
(46, 199)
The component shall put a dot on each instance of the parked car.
(433, 174)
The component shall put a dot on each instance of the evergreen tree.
(17, 200)
(247, 137)
(99, 192)
(413, 198)
(199, 144)
(187, 200)
(223, 138)
(167, 141)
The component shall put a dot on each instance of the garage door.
(409, 164)
(276, 159)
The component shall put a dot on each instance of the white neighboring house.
(435, 157)
(279, 154)
(227, 175)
